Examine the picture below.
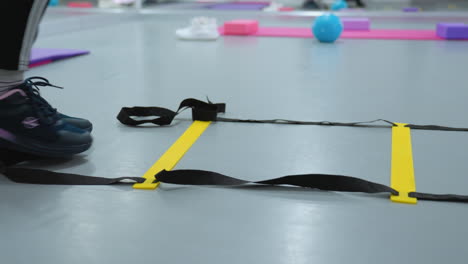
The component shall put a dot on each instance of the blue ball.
(338, 5)
(53, 2)
(327, 28)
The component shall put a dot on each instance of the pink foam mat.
(371, 34)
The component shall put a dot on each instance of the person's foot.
(29, 124)
(75, 121)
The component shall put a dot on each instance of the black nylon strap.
(164, 116)
(327, 182)
(324, 182)
(386, 123)
(207, 111)
(316, 181)
(440, 197)
(436, 127)
(201, 111)
(199, 177)
(36, 176)
(342, 124)
(9, 158)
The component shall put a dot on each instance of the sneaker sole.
(9, 141)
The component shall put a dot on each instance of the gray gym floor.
(138, 61)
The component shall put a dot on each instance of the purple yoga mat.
(236, 6)
(410, 9)
(250, 2)
(39, 55)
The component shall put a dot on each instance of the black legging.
(19, 21)
(359, 3)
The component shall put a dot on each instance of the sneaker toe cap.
(78, 122)
(73, 136)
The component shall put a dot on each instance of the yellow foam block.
(173, 155)
(402, 174)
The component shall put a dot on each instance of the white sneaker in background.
(273, 7)
(201, 28)
(114, 3)
(124, 2)
(107, 4)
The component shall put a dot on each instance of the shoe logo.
(30, 122)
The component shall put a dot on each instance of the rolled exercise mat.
(41, 56)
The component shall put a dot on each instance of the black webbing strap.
(201, 111)
(373, 123)
(207, 111)
(9, 158)
(36, 176)
(324, 182)
(436, 127)
(384, 123)
(439, 197)
(199, 177)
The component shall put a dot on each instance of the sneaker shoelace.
(46, 113)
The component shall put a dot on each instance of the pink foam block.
(240, 27)
(350, 23)
(286, 9)
(81, 4)
(37, 64)
(371, 34)
(251, 2)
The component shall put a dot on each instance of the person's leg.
(10, 79)
(19, 36)
(19, 21)
(28, 123)
(360, 3)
